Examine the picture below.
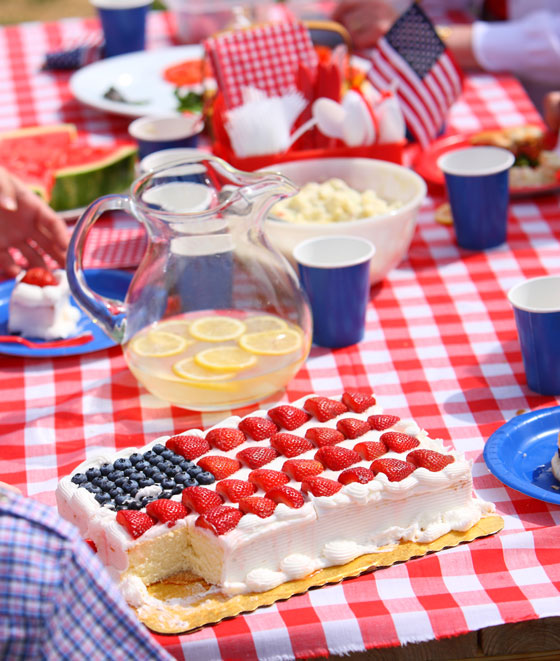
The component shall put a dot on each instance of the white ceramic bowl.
(391, 233)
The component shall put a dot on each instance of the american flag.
(412, 56)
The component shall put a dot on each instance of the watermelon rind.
(77, 186)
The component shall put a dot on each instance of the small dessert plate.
(519, 453)
(106, 282)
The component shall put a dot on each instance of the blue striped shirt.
(56, 599)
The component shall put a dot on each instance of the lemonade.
(219, 360)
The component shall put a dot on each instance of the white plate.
(137, 76)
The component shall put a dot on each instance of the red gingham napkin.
(265, 57)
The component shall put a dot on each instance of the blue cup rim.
(456, 162)
(368, 251)
(188, 125)
(515, 295)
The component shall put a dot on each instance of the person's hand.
(28, 224)
(551, 107)
(365, 20)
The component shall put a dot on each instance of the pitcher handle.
(108, 313)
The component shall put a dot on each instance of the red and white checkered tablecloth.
(440, 346)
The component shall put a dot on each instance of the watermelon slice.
(59, 164)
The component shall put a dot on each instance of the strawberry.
(235, 490)
(352, 427)
(336, 458)
(91, 544)
(370, 450)
(165, 510)
(320, 486)
(287, 496)
(382, 422)
(290, 445)
(39, 277)
(357, 401)
(200, 499)
(288, 417)
(257, 428)
(257, 456)
(190, 446)
(356, 474)
(219, 466)
(324, 408)
(135, 522)
(220, 519)
(430, 459)
(225, 438)
(301, 469)
(324, 436)
(266, 479)
(263, 507)
(395, 469)
(398, 441)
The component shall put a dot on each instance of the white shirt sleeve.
(529, 47)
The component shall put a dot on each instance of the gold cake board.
(206, 606)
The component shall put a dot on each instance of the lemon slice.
(217, 328)
(264, 322)
(271, 342)
(224, 359)
(177, 326)
(188, 369)
(158, 344)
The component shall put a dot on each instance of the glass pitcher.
(214, 317)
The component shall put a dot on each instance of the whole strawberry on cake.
(40, 305)
(257, 501)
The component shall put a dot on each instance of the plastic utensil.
(51, 344)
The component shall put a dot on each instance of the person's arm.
(28, 224)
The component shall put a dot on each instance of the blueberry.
(167, 493)
(145, 501)
(113, 475)
(155, 459)
(142, 465)
(150, 471)
(131, 486)
(92, 472)
(135, 458)
(133, 505)
(168, 483)
(79, 478)
(158, 448)
(106, 469)
(120, 481)
(190, 482)
(122, 463)
(174, 470)
(137, 475)
(167, 453)
(102, 497)
(178, 488)
(194, 471)
(181, 478)
(121, 499)
(158, 477)
(103, 483)
(205, 478)
(145, 482)
(92, 488)
(148, 455)
(129, 471)
(115, 491)
(176, 459)
(163, 465)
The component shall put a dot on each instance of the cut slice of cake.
(257, 501)
(40, 305)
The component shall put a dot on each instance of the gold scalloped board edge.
(210, 607)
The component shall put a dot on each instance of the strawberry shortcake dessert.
(257, 501)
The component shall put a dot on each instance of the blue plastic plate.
(519, 453)
(105, 282)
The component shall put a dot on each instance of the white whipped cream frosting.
(260, 554)
(43, 312)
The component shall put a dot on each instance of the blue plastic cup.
(156, 133)
(477, 181)
(124, 25)
(536, 306)
(334, 272)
